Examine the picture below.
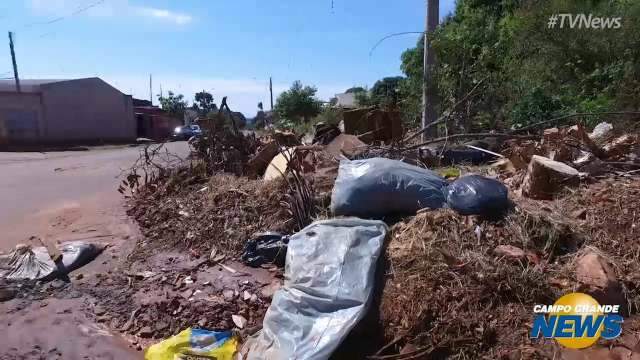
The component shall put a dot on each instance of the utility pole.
(150, 89)
(428, 87)
(271, 91)
(13, 59)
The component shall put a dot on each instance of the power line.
(390, 36)
(45, 22)
(79, 10)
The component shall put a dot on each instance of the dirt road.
(62, 196)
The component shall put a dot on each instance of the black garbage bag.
(477, 195)
(462, 156)
(77, 254)
(379, 187)
(266, 248)
(325, 133)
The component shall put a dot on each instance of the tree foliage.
(173, 104)
(524, 71)
(385, 92)
(355, 89)
(299, 103)
(204, 102)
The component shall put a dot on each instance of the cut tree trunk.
(546, 177)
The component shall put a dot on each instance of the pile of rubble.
(465, 286)
(189, 293)
(458, 280)
(563, 156)
(222, 212)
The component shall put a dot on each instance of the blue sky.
(227, 47)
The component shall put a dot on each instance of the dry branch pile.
(223, 212)
(455, 286)
(464, 288)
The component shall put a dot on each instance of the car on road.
(186, 132)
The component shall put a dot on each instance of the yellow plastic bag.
(199, 342)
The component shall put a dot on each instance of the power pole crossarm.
(428, 87)
(15, 64)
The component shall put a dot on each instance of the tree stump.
(545, 177)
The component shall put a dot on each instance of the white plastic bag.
(329, 281)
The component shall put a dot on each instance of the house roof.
(27, 85)
(141, 102)
(35, 85)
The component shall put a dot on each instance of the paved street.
(65, 195)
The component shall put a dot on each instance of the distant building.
(64, 111)
(141, 102)
(346, 101)
(154, 123)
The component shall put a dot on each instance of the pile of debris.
(465, 262)
(223, 212)
(154, 305)
(222, 146)
(456, 287)
(466, 287)
(565, 155)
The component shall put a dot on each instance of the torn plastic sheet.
(378, 187)
(329, 281)
(34, 263)
(25, 262)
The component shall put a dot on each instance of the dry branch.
(472, 136)
(447, 114)
(535, 125)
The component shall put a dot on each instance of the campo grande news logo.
(577, 321)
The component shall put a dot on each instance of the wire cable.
(79, 10)
(390, 36)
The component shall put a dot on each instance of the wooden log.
(620, 146)
(579, 132)
(258, 164)
(546, 177)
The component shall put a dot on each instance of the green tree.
(204, 102)
(298, 103)
(173, 104)
(364, 99)
(355, 89)
(522, 70)
(385, 92)
(411, 87)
